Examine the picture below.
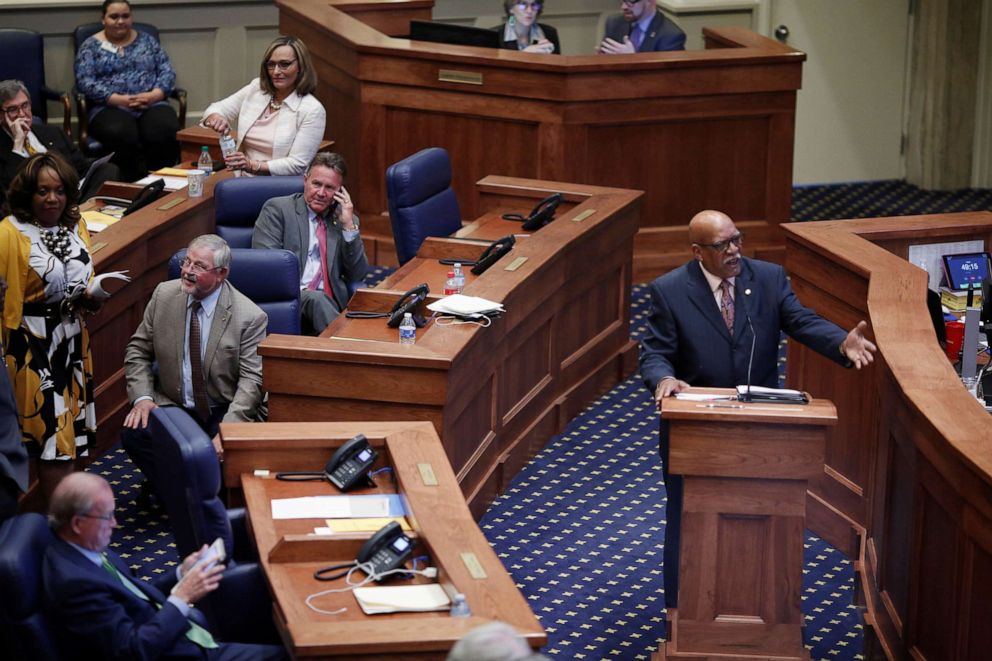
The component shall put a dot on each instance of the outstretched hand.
(667, 388)
(857, 348)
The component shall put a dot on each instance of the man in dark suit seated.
(219, 382)
(705, 317)
(320, 227)
(640, 28)
(19, 139)
(101, 611)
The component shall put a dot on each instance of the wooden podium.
(746, 467)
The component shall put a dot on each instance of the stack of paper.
(337, 507)
(461, 305)
(402, 598)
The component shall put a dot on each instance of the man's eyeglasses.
(282, 65)
(13, 111)
(630, 2)
(524, 6)
(104, 517)
(721, 246)
(197, 267)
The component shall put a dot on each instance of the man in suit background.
(320, 226)
(705, 317)
(101, 611)
(640, 28)
(222, 380)
(13, 456)
(19, 139)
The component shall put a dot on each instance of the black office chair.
(26, 632)
(22, 57)
(86, 142)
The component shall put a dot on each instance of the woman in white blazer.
(280, 123)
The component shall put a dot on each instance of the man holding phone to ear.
(320, 227)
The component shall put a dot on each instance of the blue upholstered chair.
(270, 278)
(22, 56)
(237, 203)
(184, 452)
(25, 630)
(86, 142)
(421, 200)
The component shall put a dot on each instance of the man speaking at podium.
(715, 322)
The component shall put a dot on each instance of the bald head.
(81, 510)
(712, 234)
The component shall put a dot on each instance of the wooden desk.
(443, 527)
(496, 394)
(711, 129)
(192, 139)
(746, 468)
(142, 243)
(907, 487)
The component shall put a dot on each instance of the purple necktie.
(727, 306)
(637, 37)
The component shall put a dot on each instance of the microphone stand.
(746, 397)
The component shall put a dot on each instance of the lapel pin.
(747, 292)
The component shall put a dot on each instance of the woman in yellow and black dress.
(45, 260)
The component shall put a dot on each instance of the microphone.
(746, 397)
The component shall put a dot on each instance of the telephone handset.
(350, 463)
(387, 549)
(542, 213)
(493, 253)
(408, 303)
(145, 196)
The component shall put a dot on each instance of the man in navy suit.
(103, 611)
(705, 317)
(640, 28)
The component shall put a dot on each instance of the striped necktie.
(196, 634)
(196, 365)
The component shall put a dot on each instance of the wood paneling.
(909, 467)
(693, 129)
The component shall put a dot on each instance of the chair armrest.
(244, 550)
(60, 96)
(241, 608)
(179, 94)
(82, 116)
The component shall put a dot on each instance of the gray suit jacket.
(13, 456)
(662, 33)
(283, 223)
(231, 364)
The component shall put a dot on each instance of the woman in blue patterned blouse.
(127, 77)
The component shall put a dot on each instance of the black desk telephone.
(542, 213)
(492, 254)
(350, 463)
(408, 303)
(145, 196)
(388, 549)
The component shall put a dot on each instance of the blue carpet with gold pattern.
(581, 527)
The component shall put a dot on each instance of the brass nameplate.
(473, 565)
(171, 203)
(515, 264)
(97, 247)
(462, 77)
(427, 475)
(582, 216)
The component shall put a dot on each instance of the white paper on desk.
(336, 507)
(465, 306)
(402, 598)
(171, 183)
(702, 397)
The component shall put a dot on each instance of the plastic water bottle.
(451, 284)
(459, 607)
(205, 162)
(408, 330)
(459, 278)
(227, 145)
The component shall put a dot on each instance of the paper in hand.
(96, 289)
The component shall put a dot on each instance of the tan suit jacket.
(231, 364)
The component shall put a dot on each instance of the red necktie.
(322, 272)
(727, 306)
